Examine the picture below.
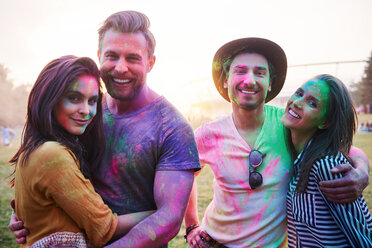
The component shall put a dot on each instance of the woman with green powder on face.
(62, 141)
(321, 120)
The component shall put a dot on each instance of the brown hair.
(51, 85)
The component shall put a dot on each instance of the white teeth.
(121, 81)
(247, 92)
(291, 112)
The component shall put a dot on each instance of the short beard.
(252, 106)
(127, 98)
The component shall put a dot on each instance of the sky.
(188, 33)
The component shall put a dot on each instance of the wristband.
(189, 229)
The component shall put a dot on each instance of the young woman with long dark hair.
(322, 120)
(62, 141)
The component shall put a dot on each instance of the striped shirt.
(313, 221)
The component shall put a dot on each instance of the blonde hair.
(128, 21)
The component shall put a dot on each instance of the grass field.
(205, 178)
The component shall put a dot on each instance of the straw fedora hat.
(270, 50)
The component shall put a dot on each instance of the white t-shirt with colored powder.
(239, 216)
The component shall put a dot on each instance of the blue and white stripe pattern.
(313, 221)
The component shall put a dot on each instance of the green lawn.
(6, 194)
(205, 179)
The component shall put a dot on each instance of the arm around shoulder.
(348, 188)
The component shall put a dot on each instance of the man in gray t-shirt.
(138, 145)
(160, 178)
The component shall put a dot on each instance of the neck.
(248, 122)
(119, 107)
(299, 140)
(248, 119)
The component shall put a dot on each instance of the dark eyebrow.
(134, 54)
(115, 51)
(241, 66)
(314, 98)
(261, 68)
(110, 51)
(75, 92)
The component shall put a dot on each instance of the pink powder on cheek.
(60, 115)
(63, 121)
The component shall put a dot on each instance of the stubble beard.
(248, 105)
(135, 91)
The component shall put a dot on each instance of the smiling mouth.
(81, 122)
(249, 92)
(292, 113)
(122, 81)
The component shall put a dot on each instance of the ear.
(323, 125)
(151, 63)
(225, 84)
(269, 86)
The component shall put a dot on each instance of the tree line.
(362, 90)
(13, 100)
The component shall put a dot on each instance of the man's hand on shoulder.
(348, 188)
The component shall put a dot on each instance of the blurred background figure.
(8, 135)
(365, 127)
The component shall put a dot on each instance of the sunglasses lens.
(255, 158)
(255, 179)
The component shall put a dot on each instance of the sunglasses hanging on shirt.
(255, 160)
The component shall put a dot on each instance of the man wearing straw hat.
(248, 154)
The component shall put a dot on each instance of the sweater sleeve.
(58, 176)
